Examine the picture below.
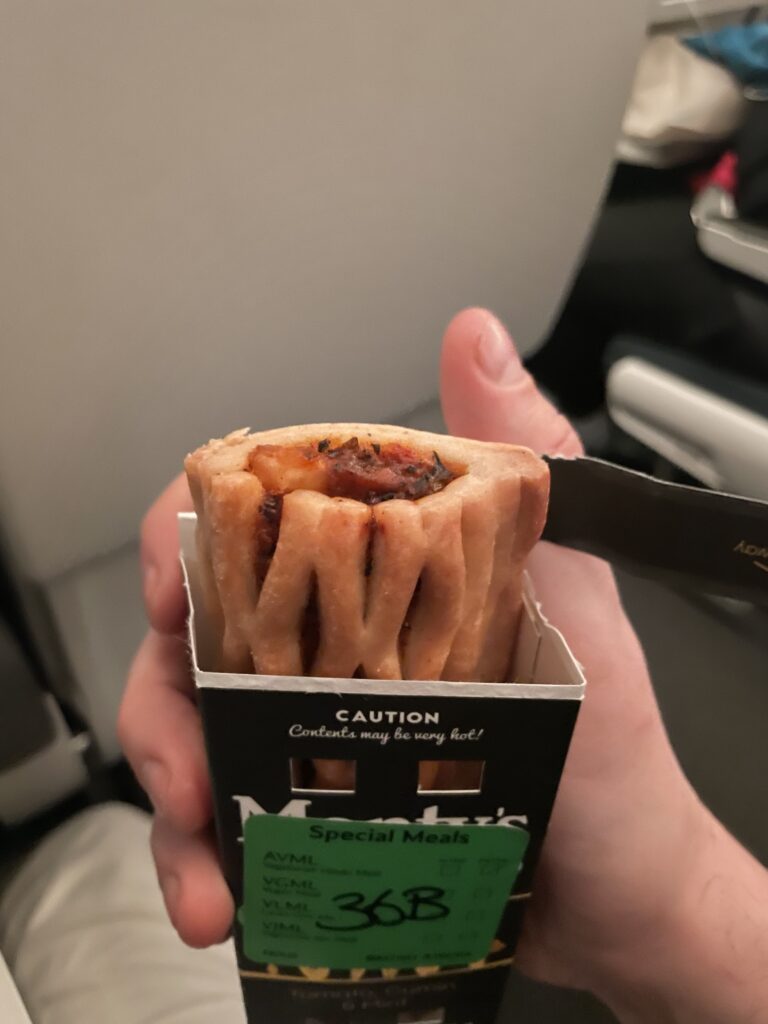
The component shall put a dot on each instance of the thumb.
(487, 394)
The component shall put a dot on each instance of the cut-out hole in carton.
(446, 777)
(320, 775)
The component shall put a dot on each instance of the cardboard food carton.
(386, 901)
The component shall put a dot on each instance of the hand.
(637, 882)
(161, 734)
(629, 846)
(593, 888)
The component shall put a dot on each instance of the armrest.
(41, 760)
(46, 778)
(710, 424)
(724, 238)
(22, 706)
(736, 245)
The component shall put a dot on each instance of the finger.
(487, 393)
(160, 731)
(163, 590)
(196, 896)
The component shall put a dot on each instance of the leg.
(86, 936)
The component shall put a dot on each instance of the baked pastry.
(376, 552)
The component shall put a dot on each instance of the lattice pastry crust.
(404, 589)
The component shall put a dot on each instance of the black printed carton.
(386, 902)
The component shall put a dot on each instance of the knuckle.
(127, 734)
(123, 727)
(146, 531)
(158, 845)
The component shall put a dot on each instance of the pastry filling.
(370, 473)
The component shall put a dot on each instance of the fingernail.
(495, 353)
(155, 778)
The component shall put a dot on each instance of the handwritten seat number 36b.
(388, 909)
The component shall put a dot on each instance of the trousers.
(84, 932)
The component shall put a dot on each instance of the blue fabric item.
(742, 49)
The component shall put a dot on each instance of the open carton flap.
(543, 666)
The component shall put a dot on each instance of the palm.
(593, 882)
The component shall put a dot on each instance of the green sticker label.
(347, 895)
